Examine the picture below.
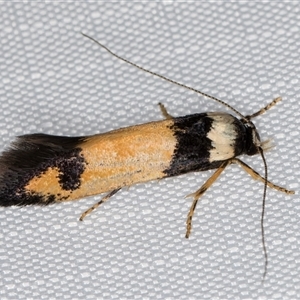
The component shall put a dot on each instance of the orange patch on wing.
(115, 159)
(126, 156)
(47, 184)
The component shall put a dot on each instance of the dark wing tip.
(28, 156)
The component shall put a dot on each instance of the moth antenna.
(263, 214)
(165, 78)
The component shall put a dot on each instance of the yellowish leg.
(104, 199)
(164, 111)
(256, 176)
(267, 107)
(199, 193)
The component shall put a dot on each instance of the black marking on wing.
(30, 156)
(193, 146)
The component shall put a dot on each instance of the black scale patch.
(193, 147)
(29, 157)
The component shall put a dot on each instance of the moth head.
(256, 144)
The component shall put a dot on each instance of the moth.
(43, 169)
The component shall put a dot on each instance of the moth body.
(41, 169)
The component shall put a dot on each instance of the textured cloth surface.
(54, 80)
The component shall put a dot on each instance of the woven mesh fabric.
(53, 80)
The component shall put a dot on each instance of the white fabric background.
(53, 80)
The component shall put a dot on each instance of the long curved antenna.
(262, 218)
(165, 78)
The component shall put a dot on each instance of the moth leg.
(256, 176)
(263, 110)
(104, 199)
(164, 111)
(200, 192)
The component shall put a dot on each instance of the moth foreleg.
(255, 175)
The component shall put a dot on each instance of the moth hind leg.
(196, 195)
(96, 205)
